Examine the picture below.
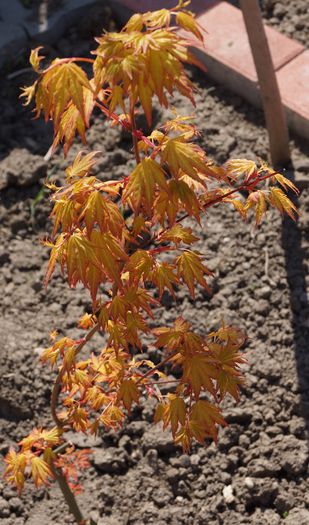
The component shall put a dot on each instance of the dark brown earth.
(290, 17)
(258, 472)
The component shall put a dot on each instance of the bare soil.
(258, 473)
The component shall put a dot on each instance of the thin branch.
(68, 495)
(67, 61)
(57, 385)
(125, 124)
(134, 137)
(159, 365)
(220, 198)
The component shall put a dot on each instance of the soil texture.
(258, 473)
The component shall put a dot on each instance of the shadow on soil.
(296, 269)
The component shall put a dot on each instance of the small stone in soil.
(111, 460)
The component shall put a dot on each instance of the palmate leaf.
(143, 181)
(112, 417)
(123, 334)
(179, 196)
(158, 18)
(279, 200)
(181, 124)
(82, 165)
(172, 412)
(63, 83)
(237, 168)
(40, 438)
(90, 261)
(139, 266)
(100, 210)
(204, 420)
(128, 393)
(146, 59)
(71, 122)
(130, 298)
(191, 270)
(65, 95)
(65, 212)
(225, 345)
(185, 156)
(199, 371)
(258, 200)
(15, 469)
(179, 337)
(186, 20)
(163, 276)
(109, 252)
(285, 182)
(142, 265)
(40, 471)
(178, 234)
(172, 338)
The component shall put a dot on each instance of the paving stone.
(293, 81)
(227, 40)
(228, 58)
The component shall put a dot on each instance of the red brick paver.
(228, 58)
(293, 81)
(227, 40)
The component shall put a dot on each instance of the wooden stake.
(270, 94)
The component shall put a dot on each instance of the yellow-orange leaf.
(199, 371)
(143, 181)
(172, 338)
(15, 470)
(82, 165)
(204, 419)
(184, 156)
(192, 270)
(285, 182)
(173, 413)
(186, 20)
(257, 199)
(112, 417)
(280, 201)
(102, 211)
(139, 265)
(178, 234)
(35, 59)
(163, 276)
(236, 168)
(87, 321)
(40, 471)
(128, 393)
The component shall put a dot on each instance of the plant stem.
(125, 124)
(134, 137)
(69, 496)
(57, 385)
(152, 370)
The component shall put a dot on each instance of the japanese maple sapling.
(110, 235)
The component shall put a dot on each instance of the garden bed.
(258, 472)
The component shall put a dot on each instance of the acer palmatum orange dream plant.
(111, 236)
